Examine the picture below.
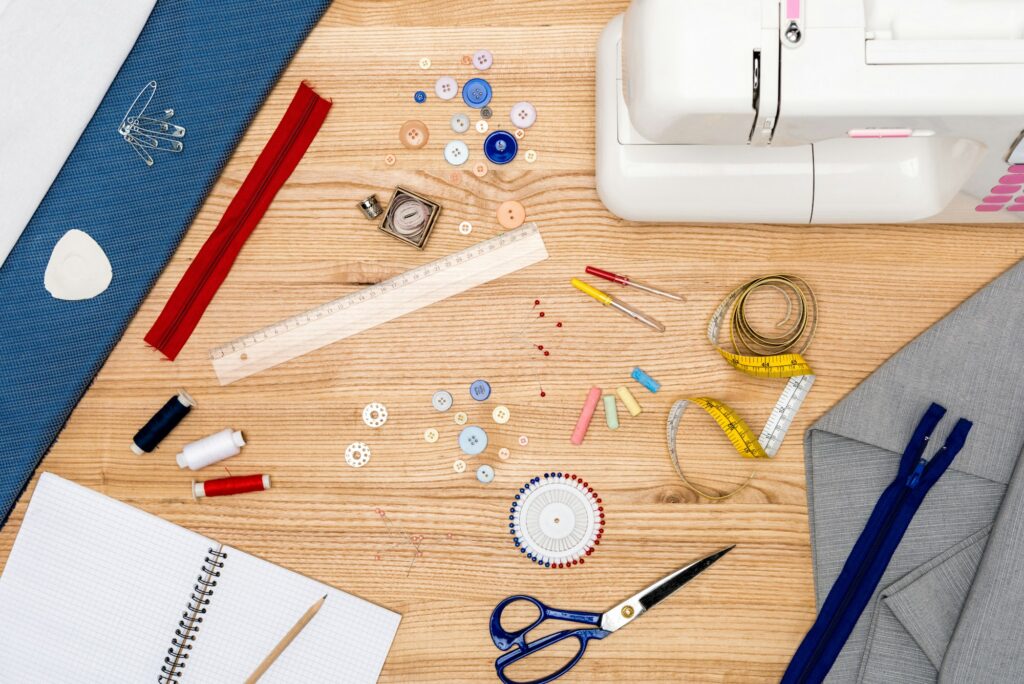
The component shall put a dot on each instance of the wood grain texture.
(877, 287)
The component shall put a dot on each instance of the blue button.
(480, 390)
(476, 93)
(420, 96)
(473, 440)
(501, 147)
(485, 474)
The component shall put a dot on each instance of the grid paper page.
(254, 605)
(93, 589)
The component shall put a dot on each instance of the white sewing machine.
(813, 111)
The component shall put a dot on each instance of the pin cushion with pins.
(556, 520)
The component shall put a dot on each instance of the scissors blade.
(642, 601)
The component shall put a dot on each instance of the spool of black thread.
(161, 424)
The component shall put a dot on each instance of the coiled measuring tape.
(760, 355)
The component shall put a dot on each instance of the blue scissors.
(603, 624)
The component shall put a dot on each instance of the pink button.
(1006, 190)
(988, 207)
(1019, 168)
(997, 199)
(1017, 178)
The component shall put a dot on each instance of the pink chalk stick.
(589, 406)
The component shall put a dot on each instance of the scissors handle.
(506, 640)
(581, 635)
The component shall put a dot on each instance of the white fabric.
(57, 59)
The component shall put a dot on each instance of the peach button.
(480, 169)
(414, 134)
(511, 214)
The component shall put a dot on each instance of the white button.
(500, 414)
(431, 435)
(485, 474)
(446, 87)
(456, 153)
(442, 400)
(523, 115)
(465, 228)
(459, 466)
(357, 454)
(523, 440)
(461, 418)
(481, 126)
(519, 133)
(530, 156)
(375, 414)
(424, 63)
(460, 123)
(483, 59)
(504, 454)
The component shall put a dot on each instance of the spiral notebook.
(96, 590)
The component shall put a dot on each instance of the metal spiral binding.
(191, 619)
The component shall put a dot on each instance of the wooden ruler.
(377, 304)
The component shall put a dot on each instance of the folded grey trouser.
(950, 607)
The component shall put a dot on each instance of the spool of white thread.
(216, 447)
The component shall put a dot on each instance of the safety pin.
(154, 142)
(153, 132)
(156, 133)
(148, 125)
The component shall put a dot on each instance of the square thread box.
(410, 217)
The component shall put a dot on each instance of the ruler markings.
(378, 304)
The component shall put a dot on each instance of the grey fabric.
(927, 602)
(931, 617)
(915, 616)
(988, 643)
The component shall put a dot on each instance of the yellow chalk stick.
(630, 401)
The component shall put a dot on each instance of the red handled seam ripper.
(629, 282)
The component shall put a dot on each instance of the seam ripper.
(617, 304)
(629, 282)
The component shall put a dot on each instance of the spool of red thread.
(226, 486)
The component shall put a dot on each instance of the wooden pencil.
(288, 638)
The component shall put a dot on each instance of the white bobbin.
(375, 414)
(357, 454)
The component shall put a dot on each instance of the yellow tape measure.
(759, 355)
(778, 366)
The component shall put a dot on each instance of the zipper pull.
(915, 476)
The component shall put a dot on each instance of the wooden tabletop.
(408, 532)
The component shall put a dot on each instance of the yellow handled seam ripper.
(618, 304)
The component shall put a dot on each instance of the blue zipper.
(862, 572)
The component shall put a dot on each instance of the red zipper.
(206, 273)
